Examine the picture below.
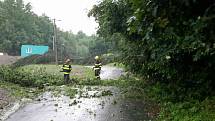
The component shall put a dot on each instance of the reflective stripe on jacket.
(97, 66)
(67, 69)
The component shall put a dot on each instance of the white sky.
(72, 13)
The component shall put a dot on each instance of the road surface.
(88, 105)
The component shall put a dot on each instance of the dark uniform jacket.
(67, 68)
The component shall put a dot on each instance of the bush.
(28, 79)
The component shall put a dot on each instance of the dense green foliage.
(19, 25)
(168, 42)
(27, 78)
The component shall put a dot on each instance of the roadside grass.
(18, 92)
(78, 72)
(36, 77)
(27, 80)
(192, 110)
(81, 75)
(173, 109)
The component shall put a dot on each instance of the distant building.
(27, 50)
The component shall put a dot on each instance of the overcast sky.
(72, 13)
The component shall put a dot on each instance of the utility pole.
(55, 42)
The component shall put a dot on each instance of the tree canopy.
(19, 25)
(167, 41)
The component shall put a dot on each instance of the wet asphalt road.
(87, 106)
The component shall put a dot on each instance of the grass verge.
(78, 72)
(28, 81)
(18, 92)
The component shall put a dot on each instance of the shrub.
(37, 78)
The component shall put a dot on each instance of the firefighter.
(97, 67)
(66, 69)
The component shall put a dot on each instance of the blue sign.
(27, 50)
